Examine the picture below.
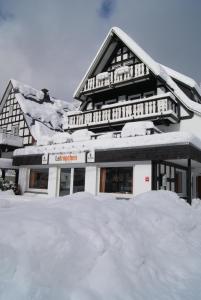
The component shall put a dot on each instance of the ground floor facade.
(122, 172)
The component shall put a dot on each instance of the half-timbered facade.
(134, 131)
(26, 114)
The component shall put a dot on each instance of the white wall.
(91, 180)
(188, 125)
(142, 171)
(52, 181)
(23, 173)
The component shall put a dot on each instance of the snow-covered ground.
(82, 247)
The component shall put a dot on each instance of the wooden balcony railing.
(116, 76)
(156, 107)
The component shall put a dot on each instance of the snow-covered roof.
(43, 116)
(159, 70)
(183, 78)
(170, 138)
(6, 163)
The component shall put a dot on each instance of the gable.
(12, 119)
(121, 56)
(157, 69)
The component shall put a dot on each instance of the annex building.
(137, 129)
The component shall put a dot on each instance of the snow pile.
(82, 135)
(85, 247)
(136, 128)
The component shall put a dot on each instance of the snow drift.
(82, 247)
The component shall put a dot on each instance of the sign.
(91, 156)
(146, 179)
(67, 158)
(44, 159)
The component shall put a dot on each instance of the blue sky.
(50, 43)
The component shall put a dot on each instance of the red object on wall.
(146, 179)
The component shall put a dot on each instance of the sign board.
(91, 156)
(146, 179)
(67, 158)
(44, 159)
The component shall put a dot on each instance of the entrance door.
(198, 187)
(65, 177)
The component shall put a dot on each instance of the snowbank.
(81, 247)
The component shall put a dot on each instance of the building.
(136, 130)
(26, 116)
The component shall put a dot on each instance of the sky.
(51, 43)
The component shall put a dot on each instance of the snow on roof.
(6, 163)
(158, 69)
(172, 138)
(47, 114)
(183, 78)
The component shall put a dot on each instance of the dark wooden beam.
(188, 183)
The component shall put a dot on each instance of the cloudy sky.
(50, 43)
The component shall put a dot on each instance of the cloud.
(50, 44)
(107, 8)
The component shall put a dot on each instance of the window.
(38, 178)
(116, 180)
(15, 130)
(148, 94)
(65, 177)
(112, 101)
(98, 105)
(134, 97)
(180, 186)
(79, 180)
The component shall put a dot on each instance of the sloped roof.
(183, 78)
(43, 117)
(159, 70)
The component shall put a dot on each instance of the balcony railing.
(10, 139)
(121, 74)
(156, 107)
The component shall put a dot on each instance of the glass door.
(65, 177)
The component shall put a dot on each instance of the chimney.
(46, 95)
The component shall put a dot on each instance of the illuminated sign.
(67, 158)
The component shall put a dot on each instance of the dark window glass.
(116, 180)
(65, 176)
(178, 182)
(79, 180)
(38, 178)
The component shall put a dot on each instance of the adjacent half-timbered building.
(136, 129)
(26, 116)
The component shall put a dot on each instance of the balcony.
(153, 108)
(10, 139)
(120, 75)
